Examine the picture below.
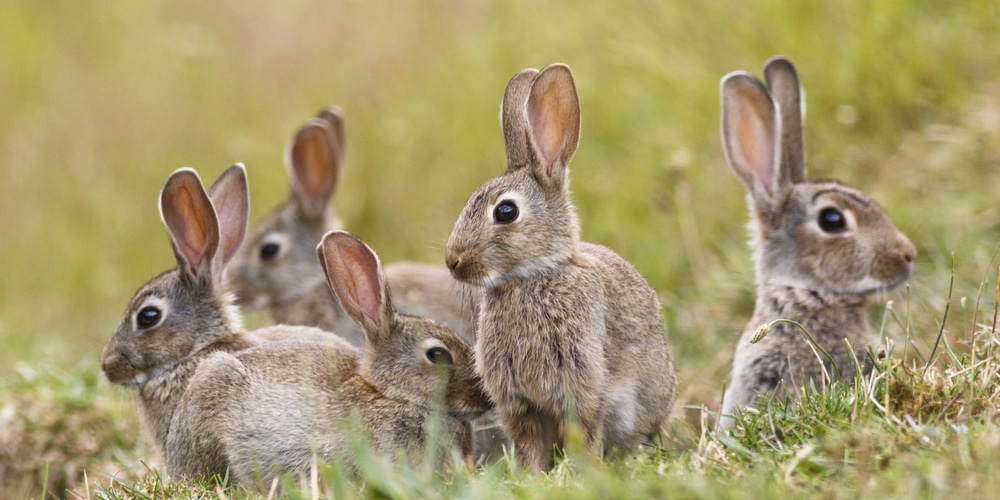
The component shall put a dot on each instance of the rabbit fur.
(272, 406)
(277, 269)
(820, 248)
(566, 329)
(184, 315)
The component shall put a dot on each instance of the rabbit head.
(405, 357)
(185, 309)
(278, 264)
(806, 234)
(523, 221)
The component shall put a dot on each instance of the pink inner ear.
(549, 133)
(312, 159)
(756, 143)
(751, 123)
(362, 280)
(188, 224)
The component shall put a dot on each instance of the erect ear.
(314, 162)
(751, 131)
(513, 119)
(230, 196)
(356, 278)
(553, 115)
(334, 117)
(783, 84)
(191, 223)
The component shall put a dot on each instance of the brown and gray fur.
(193, 312)
(566, 329)
(273, 406)
(278, 270)
(808, 269)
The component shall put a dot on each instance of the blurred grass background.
(100, 101)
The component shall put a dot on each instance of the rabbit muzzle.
(467, 265)
(895, 264)
(118, 368)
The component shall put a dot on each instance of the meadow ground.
(102, 100)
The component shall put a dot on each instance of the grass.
(102, 100)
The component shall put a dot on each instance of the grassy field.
(102, 100)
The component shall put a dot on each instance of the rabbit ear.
(334, 117)
(751, 130)
(512, 119)
(230, 196)
(783, 84)
(191, 222)
(355, 275)
(553, 115)
(314, 166)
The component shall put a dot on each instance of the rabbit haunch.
(566, 329)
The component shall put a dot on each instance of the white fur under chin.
(525, 270)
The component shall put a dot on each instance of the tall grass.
(101, 100)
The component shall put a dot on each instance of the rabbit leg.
(534, 434)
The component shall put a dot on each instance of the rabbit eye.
(506, 212)
(148, 316)
(269, 250)
(439, 356)
(832, 220)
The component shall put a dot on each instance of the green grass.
(102, 100)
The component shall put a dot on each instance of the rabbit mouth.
(870, 285)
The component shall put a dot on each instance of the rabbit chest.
(785, 352)
(543, 336)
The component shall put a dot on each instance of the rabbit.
(820, 247)
(184, 315)
(278, 270)
(566, 328)
(274, 405)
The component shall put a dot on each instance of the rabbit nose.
(452, 262)
(109, 358)
(906, 249)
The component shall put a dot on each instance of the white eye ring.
(850, 222)
(514, 197)
(432, 343)
(160, 303)
(279, 241)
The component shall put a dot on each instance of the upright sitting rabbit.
(278, 270)
(274, 405)
(820, 248)
(184, 315)
(566, 329)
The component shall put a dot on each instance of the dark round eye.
(439, 356)
(269, 250)
(148, 316)
(506, 212)
(832, 220)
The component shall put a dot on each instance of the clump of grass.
(57, 425)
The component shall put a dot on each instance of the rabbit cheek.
(834, 262)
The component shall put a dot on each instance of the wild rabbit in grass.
(566, 329)
(820, 248)
(278, 270)
(184, 315)
(273, 406)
